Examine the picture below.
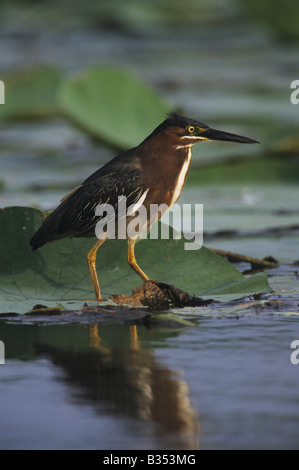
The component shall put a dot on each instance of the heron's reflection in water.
(131, 381)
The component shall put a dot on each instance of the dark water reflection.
(228, 383)
(111, 373)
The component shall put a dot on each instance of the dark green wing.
(79, 207)
(75, 216)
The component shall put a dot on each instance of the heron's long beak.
(213, 134)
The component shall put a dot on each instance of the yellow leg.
(132, 260)
(91, 259)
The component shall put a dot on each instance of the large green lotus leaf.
(113, 105)
(31, 93)
(58, 271)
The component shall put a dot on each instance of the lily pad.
(31, 93)
(58, 272)
(112, 105)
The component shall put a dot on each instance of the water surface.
(226, 383)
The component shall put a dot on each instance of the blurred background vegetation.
(228, 63)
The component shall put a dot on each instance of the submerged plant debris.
(160, 296)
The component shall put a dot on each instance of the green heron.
(154, 172)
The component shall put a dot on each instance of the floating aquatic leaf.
(58, 272)
(31, 93)
(113, 105)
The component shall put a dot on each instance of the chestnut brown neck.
(165, 166)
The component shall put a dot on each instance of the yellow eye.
(191, 129)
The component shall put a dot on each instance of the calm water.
(225, 383)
